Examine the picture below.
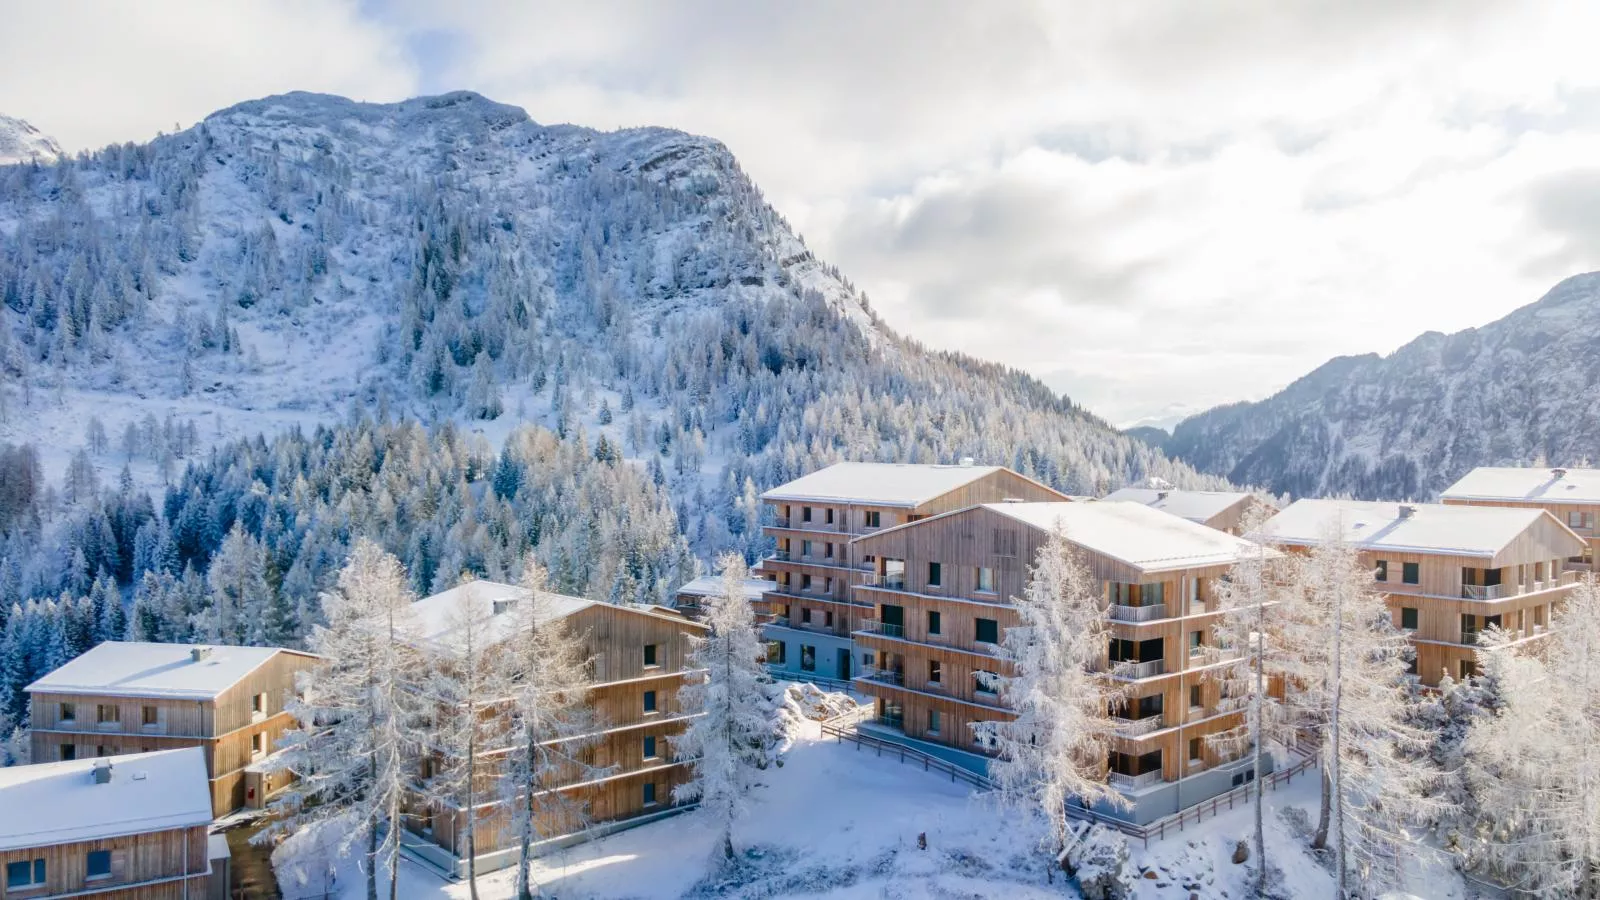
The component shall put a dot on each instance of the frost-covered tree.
(1345, 662)
(358, 721)
(731, 737)
(547, 665)
(1533, 763)
(1055, 751)
(240, 592)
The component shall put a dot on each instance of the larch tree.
(239, 590)
(358, 719)
(547, 667)
(1533, 764)
(462, 684)
(1345, 662)
(1055, 751)
(731, 737)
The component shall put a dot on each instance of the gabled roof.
(1541, 485)
(1136, 535)
(60, 802)
(708, 585)
(1196, 506)
(436, 614)
(1430, 528)
(139, 669)
(879, 484)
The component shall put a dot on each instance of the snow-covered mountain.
(21, 142)
(294, 259)
(1408, 424)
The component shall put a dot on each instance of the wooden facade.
(170, 864)
(931, 639)
(1581, 518)
(635, 706)
(240, 725)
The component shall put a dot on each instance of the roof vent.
(1407, 510)
(199, 654)
(968, 461)
(1012, 500)
(139, 776)
(1162, 495)
(1559, 473)
(102, 772)
(504, 605)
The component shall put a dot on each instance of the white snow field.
(837, 822)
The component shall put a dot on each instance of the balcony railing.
(1134, 782)
(893, 582)
(1137, 727)
(1484, 591)
(782, 556)
(1138, 613)
(892, 721)
(876, 626)
(884, 676)
(1132, 671)
(1469, 637)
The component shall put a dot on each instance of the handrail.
(929, 762)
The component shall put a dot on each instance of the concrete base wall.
(452, 866)
(826, 656)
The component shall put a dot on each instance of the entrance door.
(844, 664)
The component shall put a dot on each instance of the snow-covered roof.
(1132, 533)
(63, 803)
(708, 585)
(878, 484)
(1196, 506)
(1541, 485)
(139, 669)
(1380, 525)
(437, 614)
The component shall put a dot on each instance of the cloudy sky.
(1153, 206)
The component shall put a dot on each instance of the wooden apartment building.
(129, 828)
(1571, 495)
(1222, 510)
(638, 658)
(810, 604)
(1448, 571)
(127, 697)
(941, 602)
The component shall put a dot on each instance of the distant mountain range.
(1408, 424)
(21, 142)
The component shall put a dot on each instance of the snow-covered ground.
(838, 822)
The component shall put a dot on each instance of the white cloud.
(1152, 204)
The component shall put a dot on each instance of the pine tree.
(1055, 751)
(358, 721)
(239, 591)
(732, 737)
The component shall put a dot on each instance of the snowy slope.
(293, 259)
(21, 142)
(1409, 424)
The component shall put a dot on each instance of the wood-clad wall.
(134, 858)
(1562, 511)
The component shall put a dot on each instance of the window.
(1005, 542)
(258, 703)
(649, 793)
(24, 874)
(984, 683)
(107, 713)
(935, 672)
(1380, 570)
(933, 622)
(1469, 668)
(874, 518)
(827, 618)
(650, 656)
(808, 658)
(150, 715)
(649, 701)
(988, 631)
(1194, 696)
(100, 750)
(805, 548)
(1579, 520)
(805, 615)
(933, 721)
(1411, 664)
(1408, 618)
(98, 864)
(69, 712)
(1410, 573)
(827, 515)
(935, 574)
(69, 752)
(985, 579)
(805, 513)
(258, 743)
(649, 748)
(1195, 638)
(805, 582)
(827, 550)
(776, 652)
(1196, 750)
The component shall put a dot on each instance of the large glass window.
(935, 574)
(985, 579)
(98, 864)
(24, 874)
(1380, 570)
(1410, 573)
(988, 631)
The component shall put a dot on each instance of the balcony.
(1133, 671)
(782, 556)
(1469, 638)
(883, 676)
(892, 721)
(1138, 613)
(1131, 728)
(1486, 591)
(892, 582)
(1134, 782)
(876, 626)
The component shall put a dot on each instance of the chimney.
(968, 461)
(1407, 510)
(199, 654)
(102, 771)
(1559, 473)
